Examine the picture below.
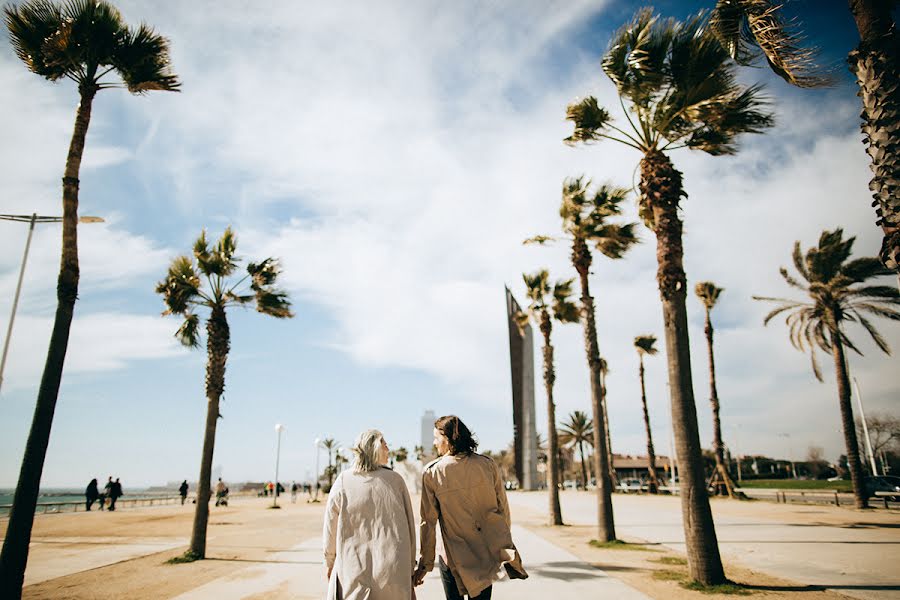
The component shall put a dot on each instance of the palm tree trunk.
(661, 189)
(607, 436)
(718, 445)
(651, 455)
(606, 529)
(876, 64)
(14, 555)
(584, 477)
(552, 438)
(850, 439)
(218, 345)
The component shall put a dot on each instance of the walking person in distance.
(183, 491)
(91, 493)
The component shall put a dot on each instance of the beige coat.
(466, 494)
(369, 537)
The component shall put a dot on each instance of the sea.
(68, 495)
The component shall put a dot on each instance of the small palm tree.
(184, 295)
(708, 293)
(81, 40)
(748, 28)
(576, 432)
(682, 92)
(547, 304)
(330, 445)
(646, 345)
(830, 280)
(586, 215)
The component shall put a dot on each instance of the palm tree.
(185, 294)
(81, 40)
(578, 431)
(545, 305)
(830, 280)
(646, 344)
(604, 370)
(329, 444)
(708, 293)
(586, 221)
(748, 28)
(681, 88)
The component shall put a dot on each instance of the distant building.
(428, 420)
(638, 467)
(521, 362)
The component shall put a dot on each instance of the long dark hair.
(460, 438)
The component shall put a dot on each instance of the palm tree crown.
(183, 291)
(645, 344)
(708, 292)
(553, 301)
(835, 298)
(83, 40)
(579, 429)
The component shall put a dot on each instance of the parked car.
(631, 485)
(885, 483)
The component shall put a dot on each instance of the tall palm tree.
(185, 294)
(646, 345)
(586, 215)
(576, 432)
(748, 28)
(708, 293)
(681, 89)
(830, 280)
(604, 370)
(81, 40)
(546, 304)
(329, 444)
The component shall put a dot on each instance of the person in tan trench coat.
(369, 534)
(464, 492)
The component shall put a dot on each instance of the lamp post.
(862, 415)
(278, 429)
(318, 446)
(31, 220)
(790, 453)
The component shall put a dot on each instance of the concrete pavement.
(858, 558)
(298, 572)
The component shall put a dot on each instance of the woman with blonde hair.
(369, 533)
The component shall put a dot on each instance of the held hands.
(419, 576)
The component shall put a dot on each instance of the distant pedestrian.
(294, 487)
(91, 493)
(183, 490)
(107, 490)
(221, 493)
(115, 493)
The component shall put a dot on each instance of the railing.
(79, 505)
(789, 496)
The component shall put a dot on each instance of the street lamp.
(31, 220)
(278, 429)
(790, 453)
(318, 445)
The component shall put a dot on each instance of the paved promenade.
(851, 552)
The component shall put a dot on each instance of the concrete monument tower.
(521, 360)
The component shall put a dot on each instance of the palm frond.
(800, 262)
(189, 332)
(886, 292)
(879, 311)
(142, 61)
(790, 280)
(218, 261)
(564, 310)
(748, 28)
(874, 334)
(274, 303)
(269, 300)
(590, 120)
(537, 286)
(613, 241)
(539, 240)
(865, 268)
(180, 287)
(29, 24)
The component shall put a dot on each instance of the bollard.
(837, 501)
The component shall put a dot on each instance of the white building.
(427, 441)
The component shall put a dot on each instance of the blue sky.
(394, 156)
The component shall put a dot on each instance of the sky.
(393, 156)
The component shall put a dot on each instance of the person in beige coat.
(369, 534)
(464, 492)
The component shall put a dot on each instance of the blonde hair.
(367, 449)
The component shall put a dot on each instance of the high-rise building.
(521, 361)
(427, 441)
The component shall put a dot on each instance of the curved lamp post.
(31, 220)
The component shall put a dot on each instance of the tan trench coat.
(465, 494)
(369, 537)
